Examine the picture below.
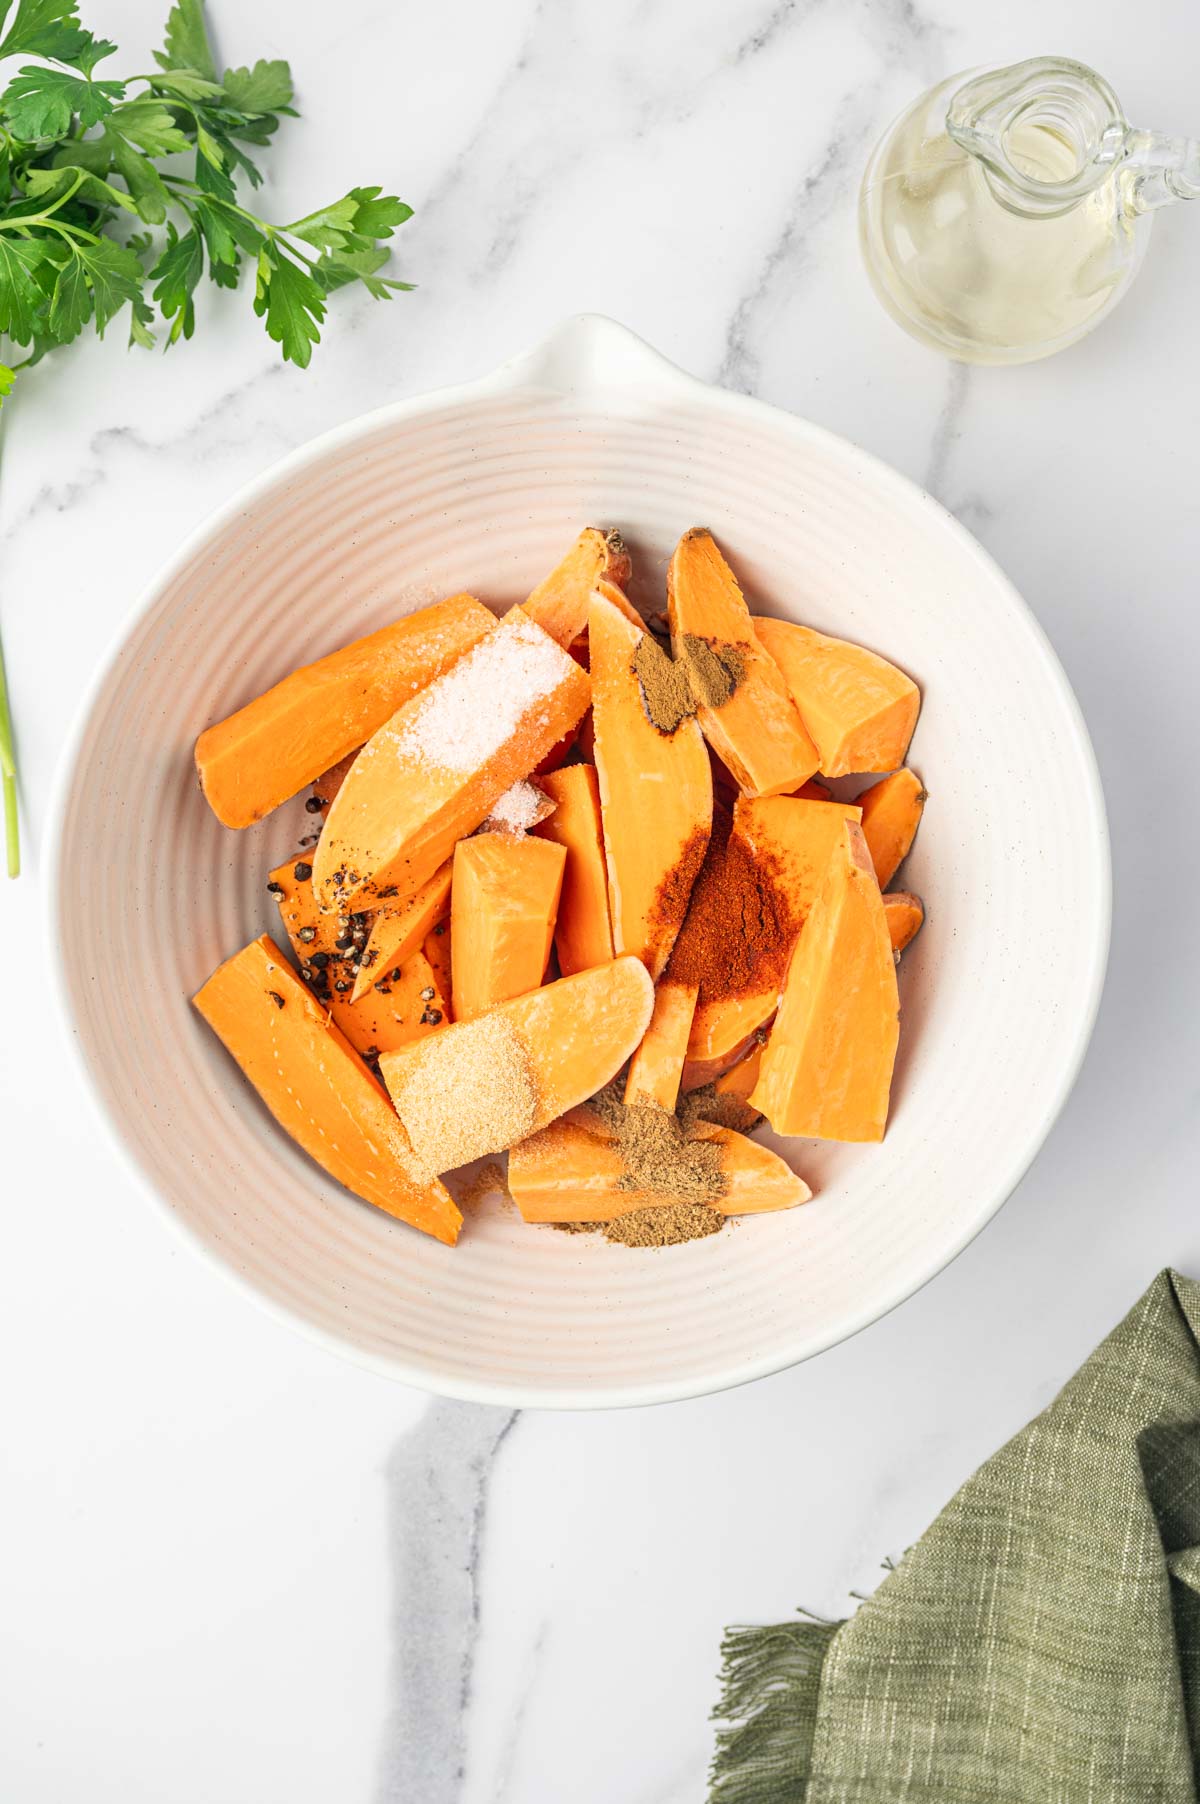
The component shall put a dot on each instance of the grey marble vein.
(512, 1740)
(438, 1483)
(948, 429)
(96, 468)
(820, 191)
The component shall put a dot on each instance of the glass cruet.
(1006, 211)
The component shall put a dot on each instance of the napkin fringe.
(770, 1684)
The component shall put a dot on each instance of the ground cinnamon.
(740, 926)
(666, 692)
(714, 669)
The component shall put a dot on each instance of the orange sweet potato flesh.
(757, 731)
(583, 931)
(438, 949)
(793, 839)
(399, 931)
(655, 797)
(827, 1066)
(859, 709)
(657, 1065)
(503, 909)
(318, 1088)
(698, 1072)
(560, 604)
(432, 772)
(482, 1085)
(891, 814)
(274, 746)
(392, 1011)
(905, 914)
(572, 1170)
(812, 791)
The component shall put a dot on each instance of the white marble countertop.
(234, 1569)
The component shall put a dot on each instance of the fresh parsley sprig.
(119, 194)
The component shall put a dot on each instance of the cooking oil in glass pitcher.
(1006, 211)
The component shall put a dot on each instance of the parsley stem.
(8, 776)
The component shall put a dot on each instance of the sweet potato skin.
(277, 744)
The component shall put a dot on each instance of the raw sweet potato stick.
(655, 796)
(573, 1171)
(274, 746)
(318, 1088)
(827, 1066)
(399, 930)
(560, 603)
(755, 728)
(657, 1065)
(509, 1072)
(891, 814)
(505, 901)
(583, 931)
(859, 709)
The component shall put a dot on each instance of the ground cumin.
(740, 925)
(714, 668)
(659, 1155)
(666, 692)
(705, 673)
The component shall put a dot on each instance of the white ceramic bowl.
(481, 488)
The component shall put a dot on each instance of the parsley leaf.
(21, 297)
(39, 103)
(187, 45)
(177, 272)
(267, 88)
(293, 303)
(44, 28)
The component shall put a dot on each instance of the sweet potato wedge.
(399, 931)
(431, 774)
(317, 1087)
(274, 746)
(827, 1066)
(492, 1081)
(583, 931)
(504, 905)
(400, 1002)
(560, 603)
(657, 1065)
(655, 797)
(747, 716)
(905, 916)
(891, 814)
(859, 709)
(573, 1171)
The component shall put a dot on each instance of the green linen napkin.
(1041, 1642)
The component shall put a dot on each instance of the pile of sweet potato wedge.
(503, 839)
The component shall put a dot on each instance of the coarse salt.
(466, 716)
(519, 809)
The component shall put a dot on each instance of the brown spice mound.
(666, 692)
(739, 927)
(663, 1227)
(717, 1106)
(659, 1155)
(714, 668)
